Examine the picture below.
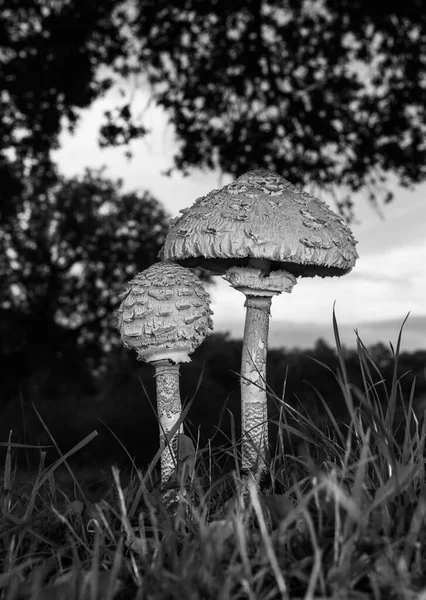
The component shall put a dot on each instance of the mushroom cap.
(261, 215)
(165, 313)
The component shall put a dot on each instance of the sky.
(387, 282)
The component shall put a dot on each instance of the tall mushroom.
(164, 316)
(261, 233)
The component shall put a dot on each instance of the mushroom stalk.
(254, 413)
(258, 287)
(169, 408)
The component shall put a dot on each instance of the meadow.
(341, 516)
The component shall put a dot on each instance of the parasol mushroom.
(164, 316)
(261, 233)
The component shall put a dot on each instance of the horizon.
(290, 336)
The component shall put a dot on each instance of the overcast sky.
(388, 281)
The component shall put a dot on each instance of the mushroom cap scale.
(165, 313)
(261, 215)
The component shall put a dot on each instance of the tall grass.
(344, 517)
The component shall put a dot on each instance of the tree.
(330, 92)
(64, 260)
(50, 54)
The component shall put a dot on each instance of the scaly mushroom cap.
(165, 313)
(261, 215)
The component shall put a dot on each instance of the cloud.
(382, 278)
(357, 299)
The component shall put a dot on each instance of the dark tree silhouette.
(64, 259)
(328, 92)
(50, 53)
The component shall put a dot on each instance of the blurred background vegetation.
(326, 92)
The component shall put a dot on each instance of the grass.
(345, 518)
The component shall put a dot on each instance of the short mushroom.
(261, 233)
(164, 316)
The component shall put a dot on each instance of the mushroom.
(261, 233)
(164, 316)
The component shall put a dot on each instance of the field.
(342, 517)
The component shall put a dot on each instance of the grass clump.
(344, 517)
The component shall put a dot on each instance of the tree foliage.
(50, 54)
(65, 256)
(332, 91)
(325, 91)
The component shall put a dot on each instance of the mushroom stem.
(258, 286)
(169, 409)
(254, 413)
